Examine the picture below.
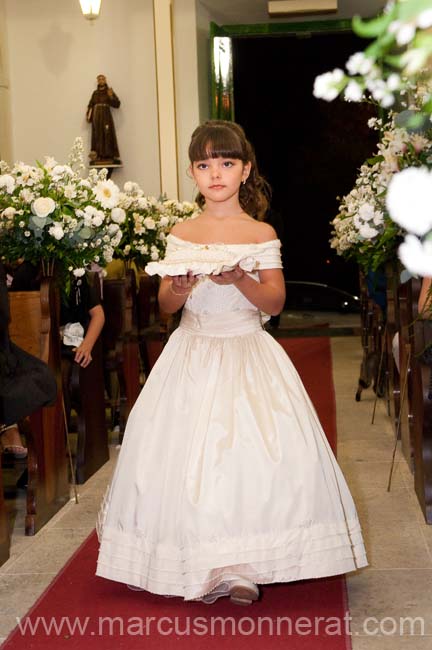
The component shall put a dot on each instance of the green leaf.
(39, 222)
(85, 233)
(372, 28)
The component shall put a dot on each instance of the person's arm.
(268, 294)
(425, 299)
(174, 291)
(83, 352)
(113, 99)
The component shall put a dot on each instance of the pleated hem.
(197, 592)
(193, 573)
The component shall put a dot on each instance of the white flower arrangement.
(400, 55)
(144, 223)
(363, 229)
(48, 212)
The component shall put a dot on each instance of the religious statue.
(104, 148)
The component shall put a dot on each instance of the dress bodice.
(208, 297)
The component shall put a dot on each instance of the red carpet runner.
(87, 613)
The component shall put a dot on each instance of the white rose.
(366, 212)
(113, 228)
(78, 273)
(416, 256)
(56, 231)
(164, 221)
(367, 232)
(118, 215)
(128, 187)
(155, 255)
(149, 223)
(9, 212)
(43, 206)
(409, 199)
(7, 181)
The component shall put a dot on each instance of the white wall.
(54, 57)
(5, 125)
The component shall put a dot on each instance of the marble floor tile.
(360, 449)
(392, 642)
(394, 593)
(396, 545)
(18, 595)
(379, 507)
(48, 553)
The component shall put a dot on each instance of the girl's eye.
(228, 163)
(202, 166)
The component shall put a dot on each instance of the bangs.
(216, 142)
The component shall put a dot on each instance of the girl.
(225, 479)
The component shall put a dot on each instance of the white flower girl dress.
(224, 468)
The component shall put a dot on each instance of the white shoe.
(222, 589)
(243, 592)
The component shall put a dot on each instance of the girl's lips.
(216, 187)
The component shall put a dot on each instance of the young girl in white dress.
(225, 478)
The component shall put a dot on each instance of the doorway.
(309, 150)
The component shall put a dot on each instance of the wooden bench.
(120, 340)
(34, 327)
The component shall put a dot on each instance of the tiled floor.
(398, 582)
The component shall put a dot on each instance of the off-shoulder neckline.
(196, 243)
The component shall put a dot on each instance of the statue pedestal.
(109, 166)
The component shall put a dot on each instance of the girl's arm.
(268, 294)
(174, 291)
(425, 299)
(97, 320)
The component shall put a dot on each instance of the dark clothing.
(103, 141)
(26, 277)
(84, 295)
(377, 288)
(26, 383)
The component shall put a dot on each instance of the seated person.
(83, 307)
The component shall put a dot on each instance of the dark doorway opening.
(309, 150)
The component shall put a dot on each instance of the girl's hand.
(83, 355)
(183, 284)
(228, 277)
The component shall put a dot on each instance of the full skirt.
(225, 469)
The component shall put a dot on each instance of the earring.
(244, 181)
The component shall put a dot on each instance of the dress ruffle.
(204, 259)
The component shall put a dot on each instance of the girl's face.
(219, 179)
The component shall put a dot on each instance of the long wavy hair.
(223, 139)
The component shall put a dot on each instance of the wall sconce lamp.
(90, 8)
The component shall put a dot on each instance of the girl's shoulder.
(185, 228)
(262, 231)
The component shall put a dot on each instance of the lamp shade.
(90, 8)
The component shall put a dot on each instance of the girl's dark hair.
(223, 139)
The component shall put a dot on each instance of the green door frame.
(221, 81)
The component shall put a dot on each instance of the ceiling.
(227, 12)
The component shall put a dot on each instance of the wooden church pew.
(120, 340)
(4, 526)
(393, 326)
(420, 403)
(34, 327)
